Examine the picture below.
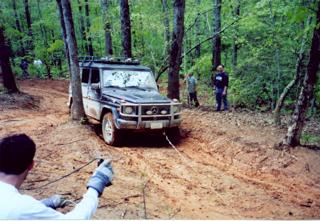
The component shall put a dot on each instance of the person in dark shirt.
(24, 67)
(220, 84)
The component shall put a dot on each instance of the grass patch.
(308, 138)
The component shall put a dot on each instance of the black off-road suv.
(123, 95)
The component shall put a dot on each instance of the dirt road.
(226, 169)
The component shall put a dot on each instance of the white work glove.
(55, 201)
(101, 177)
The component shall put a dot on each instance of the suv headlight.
(128, 110)
(175, 109)
(164, 112)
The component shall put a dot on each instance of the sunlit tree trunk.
(107, 28)
(125, 29)
(298, 75)
(176, 49)
(42, 28)
(5, 67)
(88, 25)
(77, 110)
(83, 34)
(64, 34)
(29, 23)
(235, 45)
(197, 50)
(277, 59)
(18, 26)
(293, 135)
(216, 41)
(166, 24)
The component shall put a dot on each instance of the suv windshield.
(129, 78)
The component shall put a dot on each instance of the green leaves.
(297, 14)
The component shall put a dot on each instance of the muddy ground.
(227, 167)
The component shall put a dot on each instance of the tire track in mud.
(204, 187)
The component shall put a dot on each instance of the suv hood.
(135, 95)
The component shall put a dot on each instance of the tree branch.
(196, 19)
(164, 68)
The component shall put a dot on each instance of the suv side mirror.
(95, 86)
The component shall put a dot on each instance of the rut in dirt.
(229, 169)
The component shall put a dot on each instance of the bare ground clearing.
(229, 169)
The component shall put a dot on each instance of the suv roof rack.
(109, 60)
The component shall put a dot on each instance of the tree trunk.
(141, 38)
(88, 25)
(166, 24)
(29, 23)
(125, 29)
(216, 50)
(107, 28)
(18, 26)
(48, 70)
(293, 135)
(42, 28)
(235, 45)
(197, 51)
(77, 110)
(164, 68)
(294, 81)
(5, 67)
(83, 34)
(176, 49)
(64, 33)
(275, 84)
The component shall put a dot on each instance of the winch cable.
(72, 172)
(174, 147)
(64, 176)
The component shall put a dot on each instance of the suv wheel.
(111, 134)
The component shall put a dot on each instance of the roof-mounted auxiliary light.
(109, 60)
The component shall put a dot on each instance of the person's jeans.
(193, 98)
(220, 98)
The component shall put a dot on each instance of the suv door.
(94, 94)
(85, 74)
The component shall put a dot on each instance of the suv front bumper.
(125, 124)
(141, 120)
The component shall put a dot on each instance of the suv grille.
(156, 110)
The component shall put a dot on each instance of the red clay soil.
(227, 169)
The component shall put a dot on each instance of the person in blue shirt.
(220, 84)
(192, 89)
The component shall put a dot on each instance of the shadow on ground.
(139, 139)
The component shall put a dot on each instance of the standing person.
(220, 83)
(192, 90)
(24, 67)
(16, 160)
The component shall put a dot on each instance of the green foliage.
(308, 138)
(202, 69)
(2, 90)
(268, 35)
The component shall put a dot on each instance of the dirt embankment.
(228, 168)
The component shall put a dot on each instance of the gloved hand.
(55, 201)
(101, 177)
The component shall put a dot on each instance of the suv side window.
(85, 76)
(95, 78)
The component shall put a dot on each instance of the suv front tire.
(111, 134)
